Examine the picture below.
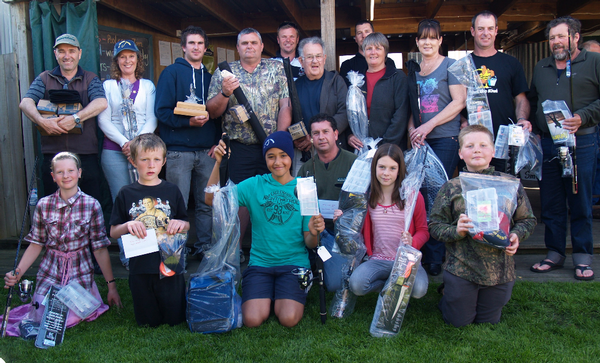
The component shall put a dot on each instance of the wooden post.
(19, 13)
(328, 32)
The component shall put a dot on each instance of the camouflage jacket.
(474, 261)
(263, 88)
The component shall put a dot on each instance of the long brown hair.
(394, 152)
(115, 71)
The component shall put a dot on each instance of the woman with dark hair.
(130, 112)
(384, 225)
(387, 90)
(441, 97)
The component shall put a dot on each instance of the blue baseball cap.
(125, 45)
(281, 140)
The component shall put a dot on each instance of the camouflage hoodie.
(466, 258)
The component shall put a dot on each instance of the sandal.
(553, 266)
(581, 270)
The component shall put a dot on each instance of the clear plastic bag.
(478, 105)
(434, 173)
(490, 202)
(356, 106)
(213, 305)
(173, 253)
(395, 295)
(555, 113)
(531, 156)
(78, 299)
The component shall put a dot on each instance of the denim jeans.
(446, 149)
(371, 275)
(116, 170)
(182, 168)
(597, 177)
(558, 199)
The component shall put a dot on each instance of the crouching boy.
(151, 203)
(478, 279)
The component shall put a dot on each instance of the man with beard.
(571, 75)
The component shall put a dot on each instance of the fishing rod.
(14, 271)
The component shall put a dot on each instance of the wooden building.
(521, 33)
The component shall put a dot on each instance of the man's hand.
(572, 124)
(303, 144)
(50, 125)
(67, 123)
(229, 85)
(198, 121)
(176, 226)
(525, 124)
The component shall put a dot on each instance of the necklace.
(385, 207)
(428, 67)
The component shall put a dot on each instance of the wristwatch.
(77, 119)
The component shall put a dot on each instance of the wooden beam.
(409, 26)
(432, 8)
(328, 32)
(267, 23)
(499, 7)
(567, 7)
(141, 12)
(521, 12)
(525, 31)
(588, 12)
(294, 13)
(221, 12)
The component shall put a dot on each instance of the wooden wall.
(110, 18)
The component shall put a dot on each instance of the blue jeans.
(371, 275)
(181, 167)
(558, 199)
(597, 177)
(116, 170)
(446, 149)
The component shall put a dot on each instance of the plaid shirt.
(66, 229)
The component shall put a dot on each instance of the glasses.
(317, 57)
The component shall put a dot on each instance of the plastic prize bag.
(435, 174)
(349, 241)
(213, 305)
(356, 106)
(530, 156)
(555, 113)
(478, 105)
(395, 295)
(173, 253)
(490, 202)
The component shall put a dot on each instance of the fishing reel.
(305, 277)
(566, 161)
(25, 288)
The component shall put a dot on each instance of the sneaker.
(242, 256)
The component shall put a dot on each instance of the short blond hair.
(64, 156)
(145, 142)
(473, 128)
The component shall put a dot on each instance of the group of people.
(478, 279)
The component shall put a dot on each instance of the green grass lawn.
(543, 322)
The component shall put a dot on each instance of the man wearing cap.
(68, 75)
(190, 140)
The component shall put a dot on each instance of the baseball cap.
(124, 45)
(67, 39)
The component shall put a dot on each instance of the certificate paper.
(133, 246)
(327, 207)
